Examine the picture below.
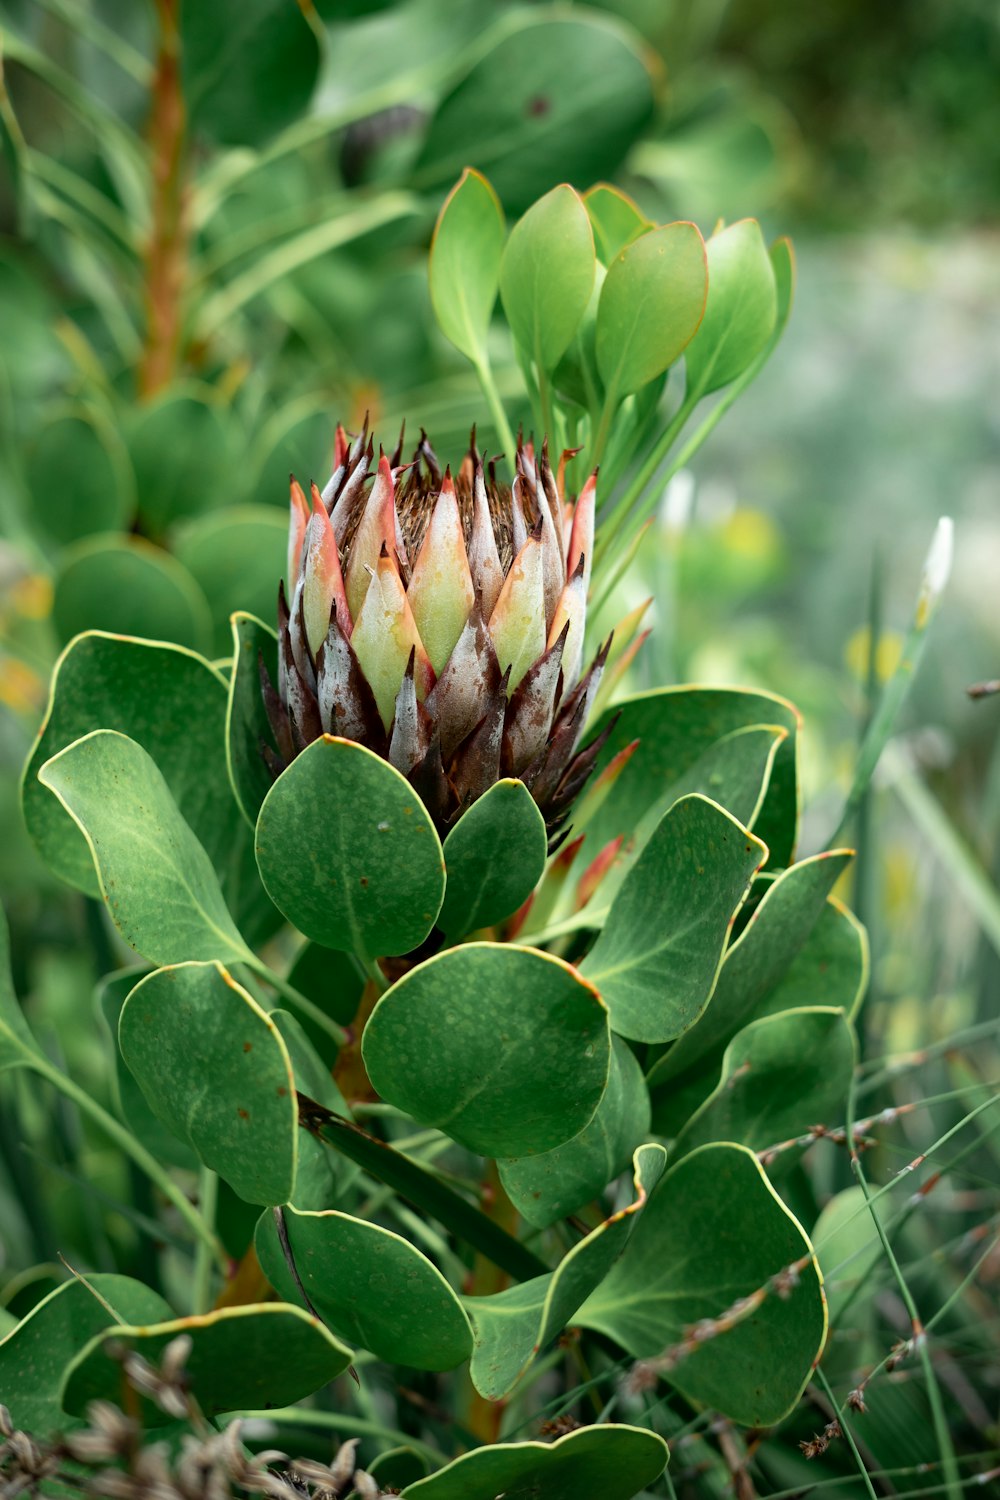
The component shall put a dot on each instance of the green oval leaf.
(241, 1120)
(166, 698)
(675, 727)
(35, 1353)
(733, 771)
(780, 1075)
(775, 934)
(652, 301)
(505, 1049)
(154, 876)
(464, 263)
(547, 274)
(657, 959)
(348, 853)
(741, 310)
(512, 1326)
(615, 219)
(173, 703)
(755, 1370)
(248, 1357)
(494, 856)
(555, 1183)
(612, 1462)
(246, 719)
(127, 586)
(832, 968)
(80, 478)
(234, 556)
(371, 1286)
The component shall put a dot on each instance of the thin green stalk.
(840, 1481)
(866, 867)
(942, 1435)
(848, 1434)
(919, 1059)
(371, 970)
(949, 1302)
(301, 1002)
(935, 576)
(647, 472)
(545, 405)
(294, 1416)
(133, 1148)
(608, 410)
(505, 432)
(208, 1195)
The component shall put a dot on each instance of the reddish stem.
(166, 251)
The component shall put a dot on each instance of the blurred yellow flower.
(857, 653)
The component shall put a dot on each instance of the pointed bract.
(301, 652)
(440, 589)
(517, 623)
(483, 555)
(346, 702)
(581, 538)
(322, 583)
(518, 520)
(376, 530)
(349, 497)
(384, 636)
(571, 616)
(298, 520)
(460, 696)
(476, 762)
(532, 708)
(412, 725)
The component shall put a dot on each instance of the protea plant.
(440, 622)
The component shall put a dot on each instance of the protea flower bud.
(440, 621)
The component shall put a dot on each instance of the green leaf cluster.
(685, 1026)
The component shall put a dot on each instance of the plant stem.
(133, 1148)
(500, 422)
(301, 1002)
(545, 404)
(166, 252)
(294, 1416)
(596, 453)
(208, 1194)
(374, 973)
(883, 720)
(648, 470)
(946, 1450)
(848, 1434)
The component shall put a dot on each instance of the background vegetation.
(203, 268)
